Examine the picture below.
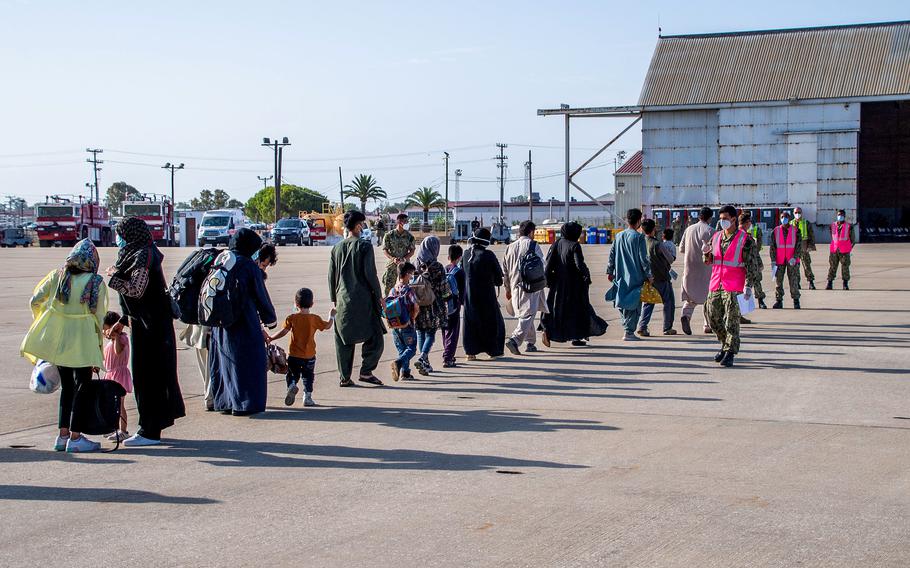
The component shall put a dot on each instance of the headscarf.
(139, 249)
(428, 251)
(571, 231)
(481, 237)
(82, 259)
(245, 242)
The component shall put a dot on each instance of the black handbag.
(96, 408)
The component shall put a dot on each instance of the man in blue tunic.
(628, 269)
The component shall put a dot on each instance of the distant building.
(815, 117)
(585, 212)
(627, 180)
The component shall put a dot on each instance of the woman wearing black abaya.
(571, 316)
(484, 329)
(139, 279)
(237, 356)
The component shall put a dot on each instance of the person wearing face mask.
(398, 246)
(754, 233)
(842, 241)
(807, 243)
(734, 261)
(784, 252)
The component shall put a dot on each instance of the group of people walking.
(417, 298)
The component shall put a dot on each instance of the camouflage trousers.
(722, 310)
(389, 278)
(842, 258)
(757, 289)
(806, 260)
(792, 273)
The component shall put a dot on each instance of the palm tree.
(426, 198)
(364, 187)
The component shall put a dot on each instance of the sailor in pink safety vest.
(734, 262)
(784, 251)
(842, 242)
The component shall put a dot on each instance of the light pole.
(278, 148)
(530, 189)
(446, 221)
(173, 168)
(264, 180)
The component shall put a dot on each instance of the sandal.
(371, 379)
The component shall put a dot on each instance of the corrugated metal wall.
(627, 193)
(753, 156)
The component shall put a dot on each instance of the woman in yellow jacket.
(68, 307)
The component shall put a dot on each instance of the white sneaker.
(308, 400)
(81, 445)
(137, 441)
(60, 443)
(291, 395)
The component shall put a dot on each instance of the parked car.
(15, 238)
(219, 225)
(292, 231)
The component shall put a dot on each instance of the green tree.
(119, 192)
(426, 198)
(218, 199)
(294, 199)
(364, 187)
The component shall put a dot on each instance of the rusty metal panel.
(779, 65)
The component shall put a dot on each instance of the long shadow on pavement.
(94, 495)
(232, 453)
(28, 455)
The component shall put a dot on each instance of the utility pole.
(568, 172)
(457, 195)
(341, 190)
(446, 222)
(264, 180)
(173, 168)
(530, 189)
(278, 149)
(95, 162)
(502, 177)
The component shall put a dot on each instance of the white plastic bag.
(45, 378)
(746, 301)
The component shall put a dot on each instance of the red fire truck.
(63, 222)
(157, 214)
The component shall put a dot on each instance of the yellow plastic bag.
(650, 295)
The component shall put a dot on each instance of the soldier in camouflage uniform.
(841, 249)
(754, 232)
(398, 246)
(677, 227)
(722, 307)
(807, 244)
(789, 265)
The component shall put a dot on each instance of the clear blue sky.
(344, 80)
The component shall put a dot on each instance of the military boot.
(720, 356)
(762, 305)
(727, 361)
(830, 285)
(778, 305)
(812, 285)
(846, 286)
(796, 304)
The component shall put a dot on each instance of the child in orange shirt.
(302, 351)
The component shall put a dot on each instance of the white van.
(219, 225)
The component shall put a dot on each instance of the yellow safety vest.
(803, 227)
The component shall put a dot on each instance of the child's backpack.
(219, 296)
(423, 290)
(397, 311)
(452, 303)
(187, 283)
(532, 272)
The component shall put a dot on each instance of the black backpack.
(531, 270)
(219, 294)
(96, 408)
(187, 283)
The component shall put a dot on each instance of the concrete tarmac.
(615, 454)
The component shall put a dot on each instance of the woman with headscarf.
(484, 328)
(435, 316)
(571, 316)
(237, 357)
(146, 308)
(68, 307)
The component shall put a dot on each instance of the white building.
(627, 181)
(815, 117)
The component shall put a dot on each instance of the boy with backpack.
(302, 350)
(455, 276)
(400, 311)
(525, 280)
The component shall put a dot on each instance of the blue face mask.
(840, 218)
(784, 220)
(120, 242)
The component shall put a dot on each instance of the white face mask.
(407, 226)
(725, 224)
(797, 215)
(840, 218)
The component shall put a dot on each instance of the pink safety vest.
(840, 240)
(786, 245)
(728, 272)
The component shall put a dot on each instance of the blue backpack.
(452, 305)
(397, 311)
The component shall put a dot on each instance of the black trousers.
(70, 381)
(298, 368)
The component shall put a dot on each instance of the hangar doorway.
(883, 171)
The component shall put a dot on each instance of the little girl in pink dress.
(117, 367)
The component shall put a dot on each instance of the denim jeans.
(406, 343)
(299, 368)
(425, 340)
(669, 306)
